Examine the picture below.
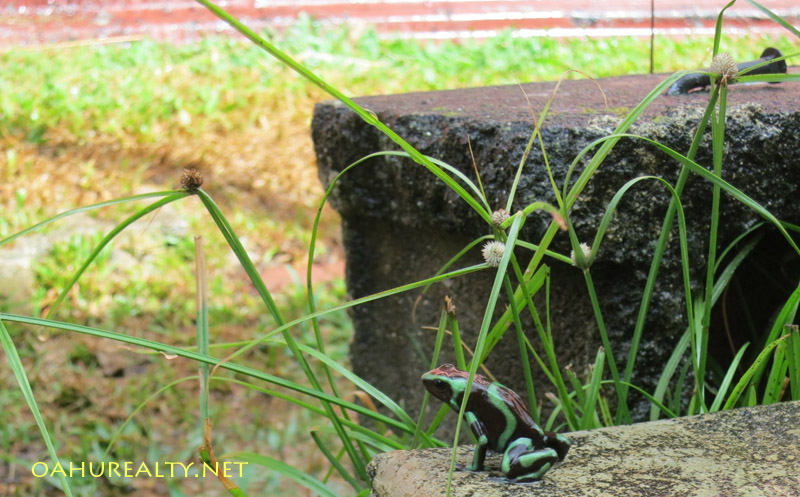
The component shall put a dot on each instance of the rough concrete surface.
(752, 452)
(401, 224)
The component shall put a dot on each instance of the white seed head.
(725, 66)
(499, 217)
(587, 251)
(493, 253)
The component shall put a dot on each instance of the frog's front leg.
(483, 440)
(523, 462)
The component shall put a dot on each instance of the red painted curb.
(26, 22)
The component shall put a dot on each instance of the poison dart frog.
(500, 422)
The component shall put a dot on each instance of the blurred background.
(53, 21)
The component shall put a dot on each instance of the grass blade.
(247, 264)
(545, 335)
(608, 142)
(655, 264)
(25, 388)
(575, 383)
(726, 382)
(684, 251)
(718, 28)
(775, 17)
(440, 333)
(513, 233)
(588, 408)
(719, 285)
(669, 413)
(202, 323)
(121, 428)
(745, 380)
(523, 351)
(769, 78)
(793, 354)
(780, 366)
(785, 317)
(213, 361)
(284, 469)
(107, 239)
(716, 180)
(337, 465)
(669, 370)
(363, 385)
(87, 208)
(377, 440)
(352, 303)
(458, 347)
(700, 342)
(369, 117)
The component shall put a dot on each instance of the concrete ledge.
(741, 453)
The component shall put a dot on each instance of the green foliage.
(25, 388)
(292, 325)
(588, 400)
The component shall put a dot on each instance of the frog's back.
(526, 426)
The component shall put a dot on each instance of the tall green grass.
(580, 403)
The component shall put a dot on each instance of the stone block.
(401, 224)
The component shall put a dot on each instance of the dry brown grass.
(268, 167)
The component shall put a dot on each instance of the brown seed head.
(449, 306)
(191, 179)
(499, 217)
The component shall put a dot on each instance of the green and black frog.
(500, 422)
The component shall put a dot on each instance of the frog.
(500, 422)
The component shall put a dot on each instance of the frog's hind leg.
(522, 462)
(557, 442)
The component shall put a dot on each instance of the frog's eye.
(439, 384)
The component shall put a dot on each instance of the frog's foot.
(522, 462)
(523, 479)
(536, 472)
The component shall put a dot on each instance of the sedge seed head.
(585, 249)
(499, 217)
(493, 253)
(191, 179)
(725, 66)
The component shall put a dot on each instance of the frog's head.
(443, 381)
(446, 382)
